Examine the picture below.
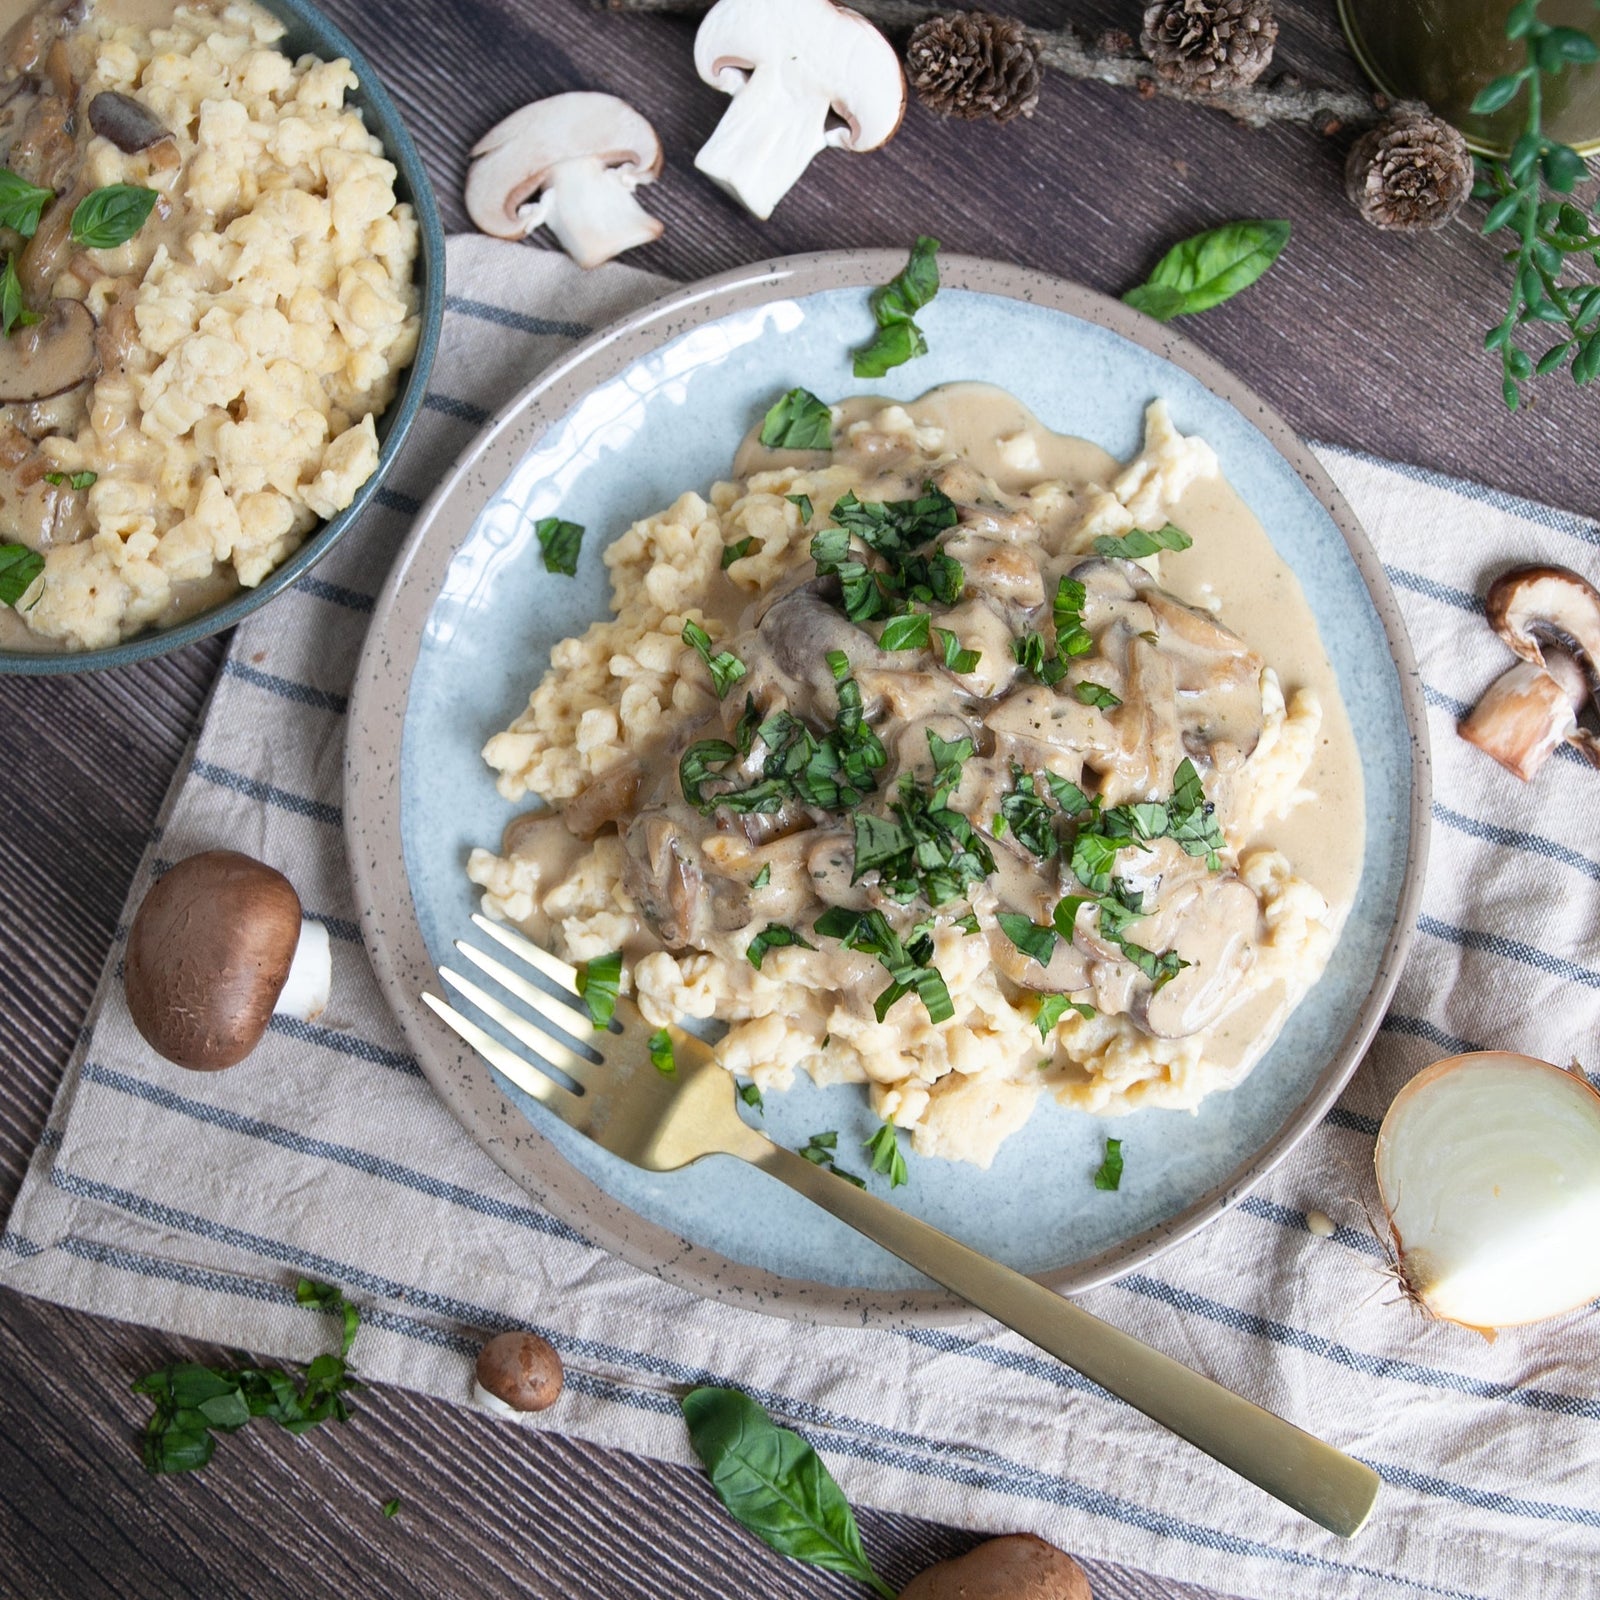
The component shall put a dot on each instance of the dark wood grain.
(1361, 339)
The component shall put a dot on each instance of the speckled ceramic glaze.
(311, 32)
(656, 405)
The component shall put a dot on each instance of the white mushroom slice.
(788, 64)
(569, 163)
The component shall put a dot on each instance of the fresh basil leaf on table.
(1211, 267)
(776, 1485)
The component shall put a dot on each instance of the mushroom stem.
(765, 141)
(1522, 718)
(592, 212)
(310, 981)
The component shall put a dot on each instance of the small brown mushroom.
(216, 948)
(51, 356)
(1018, 1566)
(570, 163)
(517, 1373)
(1551, 618)
(129, 125)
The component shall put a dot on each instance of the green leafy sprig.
(193, 1403)
(775, 1485)
(1545, 230)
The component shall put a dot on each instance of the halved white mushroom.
(789, 64)
(1550, 617)
(569, 163)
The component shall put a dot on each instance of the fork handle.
(1318, 1481)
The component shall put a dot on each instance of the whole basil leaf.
(107, 217)
(1202, 272)
(13, 313)
(21, 203)
(19, 566)
(775, 1484)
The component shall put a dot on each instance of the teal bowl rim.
(383, 118)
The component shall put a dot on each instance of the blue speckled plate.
(656, 405)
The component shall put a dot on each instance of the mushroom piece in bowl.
(221, 294)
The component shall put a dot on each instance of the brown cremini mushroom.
(569, 163)
(1018, 1566)
(130, 126)
(50, 356)
(805, 76)
(216, 948)
(517, 1373)
(1550, 617)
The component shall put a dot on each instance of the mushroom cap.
(50, 356)
(520, 1371)
(512, 162)
(1017, 1566)
(1533, 606)
(833, 45)
(208, 955)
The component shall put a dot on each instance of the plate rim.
(380, 696)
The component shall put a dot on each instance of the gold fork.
(664, 1120)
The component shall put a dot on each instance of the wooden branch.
(1115, 58)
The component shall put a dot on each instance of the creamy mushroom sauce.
(627, 861)
(186, 97)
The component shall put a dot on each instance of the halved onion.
(1489, 1168)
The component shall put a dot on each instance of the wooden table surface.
(1359, 338)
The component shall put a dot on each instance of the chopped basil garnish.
(1193, 823)
(798, 420)
(906, 964)
(1052, 1008)
(905, 633)
(1030, 819)
(661, 1057)
(1110, 1173)
(803, 502)
(956, 659)
(107, 217)
(726, 669)
(599, 983)
(78, 480)
(886, 1157)
(894, 306)
(21, 203)
(19, 566)
(559, 540)
(895, 530)
(762, 878)
(969, 924)
(13, 313)
(1142, 542)
(819, 1151)
(1066, 611)
(751, 1096)
(736, 551)
(1039, 944)
(1030, 653)
(391, 1508)
(773, 937)
(1094, 694)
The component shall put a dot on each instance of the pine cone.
(1209, 45)
(973, 64)
(1411, 173)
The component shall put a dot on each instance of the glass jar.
(1445, 51)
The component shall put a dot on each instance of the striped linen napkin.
(193, 1202)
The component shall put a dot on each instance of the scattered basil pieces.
(894, 308)
(726, 669)
(955, 658)
(736, 551)
(775, 1485)
(19, 566)
(905, 633)
(819, 1150)
(762, 878)
(107, 217)
(661, 1057)
(887, 1159)
(21, 203)
(78, 480)
(192, 1402)
(798, 421)
(1211, 267)
(751, 1096)
(895, 530)
(13, 313)
(906, 964)
(773, 937)
(1039, 944)
(1095, 694)
(1052, 1008)
(1030, 652)
(560, 541)
(391, 1508)
(1110, 1173)
(802, 502)
(1142, 542)
(1066, 611)
(599, 983)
